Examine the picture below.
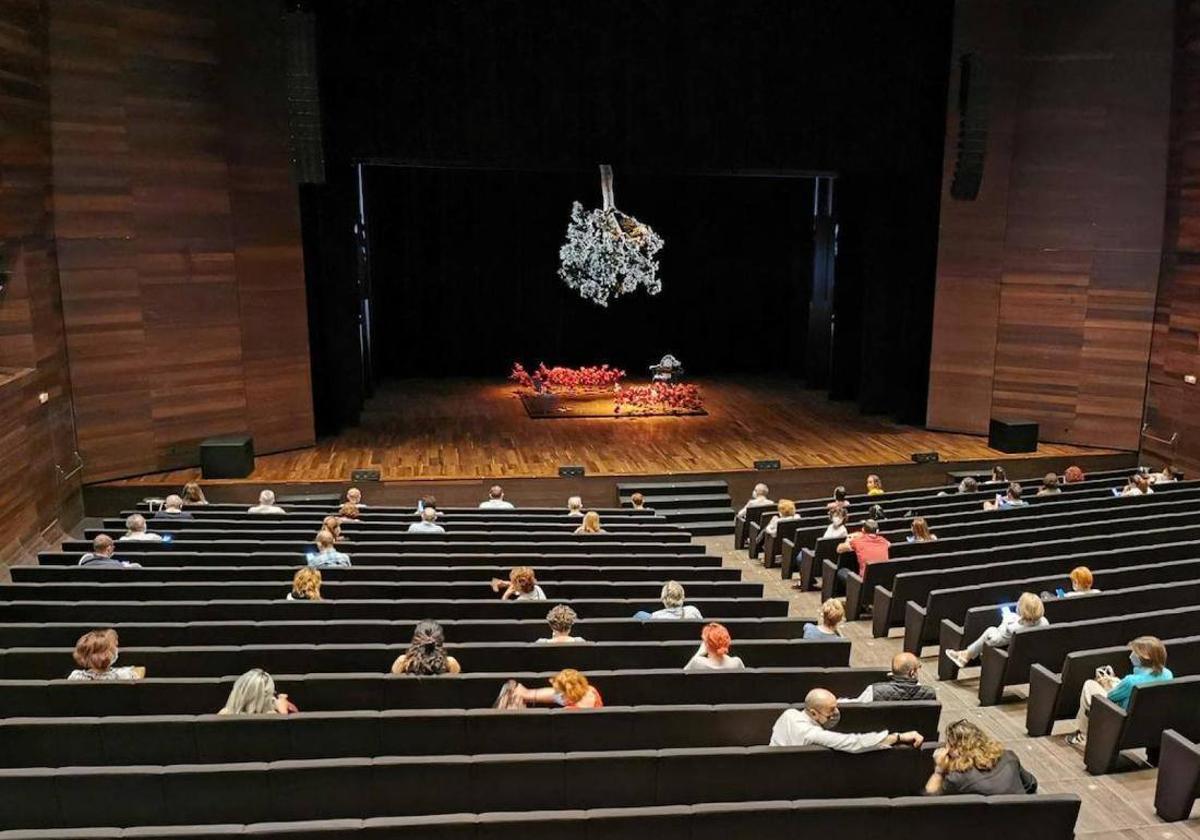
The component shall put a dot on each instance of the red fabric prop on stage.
(658, 398)
(574, 380)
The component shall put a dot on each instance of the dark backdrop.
(854, 86)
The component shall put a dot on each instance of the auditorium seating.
(223, 557)
(1178, 776)
(1153, 708)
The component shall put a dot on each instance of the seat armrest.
(1106, 724)
(914, 627)
(881, 608)
(1044, 688)
(950, 637)
(1178, 777)
(992, 672)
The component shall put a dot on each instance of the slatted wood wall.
(1046, 283)
(178, 230)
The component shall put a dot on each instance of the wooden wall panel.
(177, 224)
(1085, 135)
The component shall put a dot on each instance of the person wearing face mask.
(813, 725)
(1148, 656)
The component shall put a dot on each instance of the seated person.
(832, 616)
(427, 524)
(306, 585)
(561, 619)
(1148, 656)
(874, 485)
(811, 727)
(1138, 485)
(1165, 476)
(868, 545)
(135, 530)
(836, 530)
(522, 585)
(900, 685)
(920, 531)
(574, 506)
(1081, 584)
(354, 497)
(787, 513)
(673, 607)
(758, 498)
(349, 512)
(193, 495)
(568, 688)
(496, 500)
(254, 694)
(1031, 612)
(96, 654)
(638, 501)
(426, 501)
(172, 509)
(326, 556)
(998, 473)
(590, 524)
(1071, 475)
(333, 525)
(839, 500)
(1011, 499)
(713, 654)
(101, 556)
(1050, 486)
(426, 654)
(266, 504)
(970, 761)
(970, 484)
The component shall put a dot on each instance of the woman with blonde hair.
(96, 654)
(193, 495)
(920, 531)
(306, 585)
(1031, 612)
(787, 513)
(334, 526)
(970, 761)
(590, 524)
(521, 585)
(254, 694)
(832, 615)
(348, 513)
(426, 654)
(561, 619)
(713, 654)
(673, 598)
(568, 688)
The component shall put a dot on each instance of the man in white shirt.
(354, 497)
(266, 504)
(427, 525)
(812, 727)
(575, 506)
(495, 500)
(758, 498)
(135, 530)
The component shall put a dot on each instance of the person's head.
(571, 684)
(307, 584)
(839, 494)
(760, 491)
(173, 502)
(873, 482)
(96, 650)
(349, 510)
(969, 748)
(427, 652)
(970, 484)
(354, 496)
(496, 493)
(1072, 475)
(1050, 481)
(716, 639)
(905, 665)
(266, 497)
(1014, 491)
(998, 473)
(324, 540)
(522, 579)
(1148, 652)
(103, 545)
(876, 513)
(787, 507)
(429, 514)
(1030, 608)
(561, 619)
(252, 694)
(822, 707)
(1081, 579)
(192, 494)
(870, 526)
(574, 504)
(833, 613)
(837, 517)
(333, 525)
(638, 500)
(135, 523)
(591, 522)
(1141, 482)
(920, 529)
(428, 502)
(672, 594)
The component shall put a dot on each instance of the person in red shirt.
(868, 545)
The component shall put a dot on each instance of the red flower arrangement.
(573, 380)
(658, 398)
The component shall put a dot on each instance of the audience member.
(561, 619)
(839, 502)
(920, 531)
(1148, 656)
(1050, 486)
(874, 485)
(496, 500)
(266, 504)
(673, 604)
(172, 509)
(521, 585)
(326, 556)
(1138, 485)
(900, 685)
(306, 585)
(876, 512)
(998, 473)
(349, 512)
(811, 727)
(426, 501)
(254, 694)
(135, 530)
(1165, 476)
(868, 545)
(1082, 582)
(101, 555)
(193, 495)
(971, 762)
(758, 498)
(638, 501)
(1071, 475)
(713, 654)
(787, 513)
(574, 506)
(333, 525)
(426, 654)
(1010, 499)
(833, 613)
(1031, 612)
(354, 497)
(427, 524)
(96, 654)
(590, 524)
(970, 484)
(836, 529)
(568, 689)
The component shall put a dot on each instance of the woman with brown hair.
(522, 585)
(193, 495)
(306, 585)
(561, 619)
(334, 526)
(348, 513)
(96, 654)
(590, 524)
(1148, 658)
(426, 654)
(568, 688)
(920, 531)
(972, 762)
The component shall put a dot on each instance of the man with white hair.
(496, 500)
(173, 509)
(354, 497)
(135, 530)
(266, 504)
(427, 523)
(814, 725)
(758, 498)
(575, 506)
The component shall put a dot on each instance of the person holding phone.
(254, 694)
(1030, 612)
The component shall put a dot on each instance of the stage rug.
(549, 406)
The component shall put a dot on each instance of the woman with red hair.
(713, 654)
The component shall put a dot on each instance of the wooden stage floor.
(459, 428)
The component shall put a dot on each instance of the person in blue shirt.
(1148, 656)
(326, 556)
